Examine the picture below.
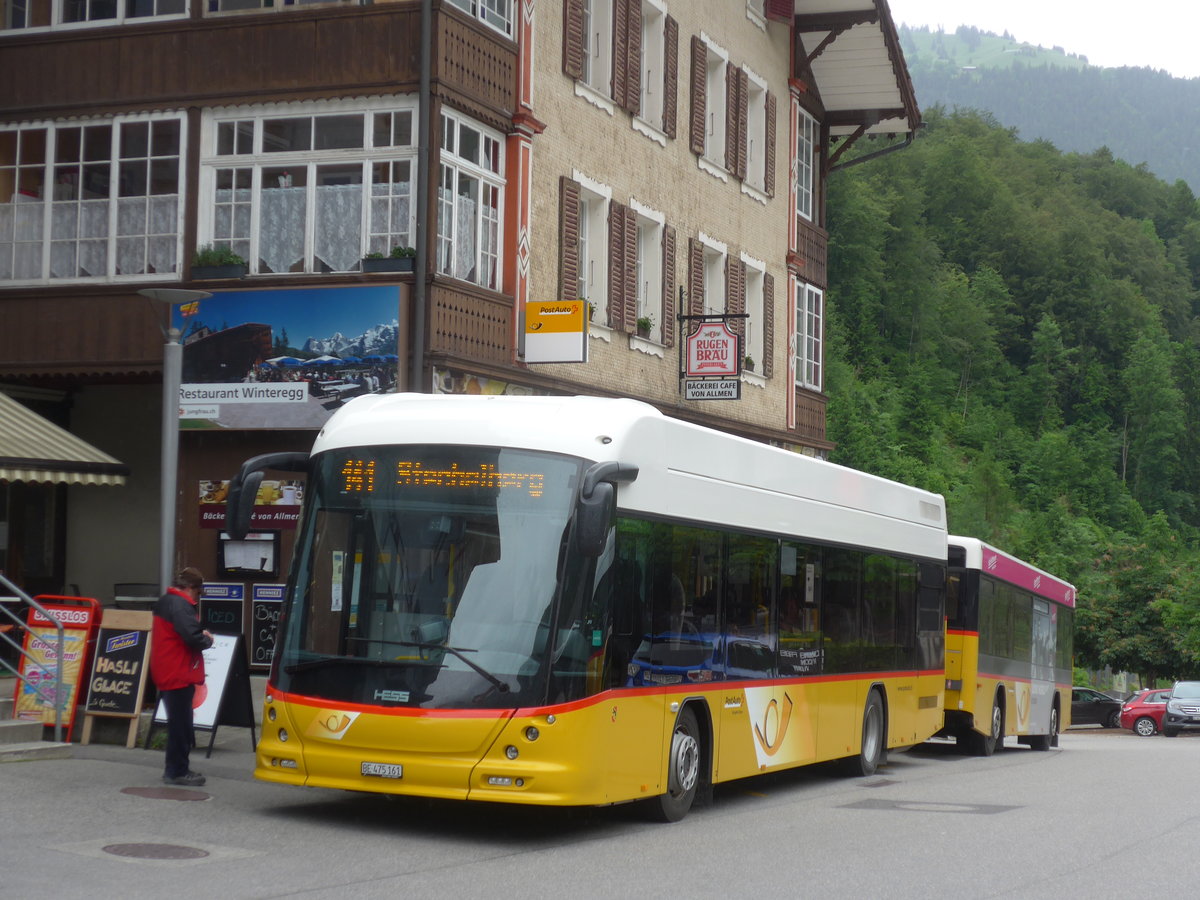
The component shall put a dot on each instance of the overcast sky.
(1161, 34)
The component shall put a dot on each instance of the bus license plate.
(383, 770)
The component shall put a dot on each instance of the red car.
(1143, 712)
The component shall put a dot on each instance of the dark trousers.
(180, 736)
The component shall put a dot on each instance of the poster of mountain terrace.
(285, 358)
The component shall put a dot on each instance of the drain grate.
(155, 851)
(165, 793)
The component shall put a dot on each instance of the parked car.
(1143, 712)
(1183, 708)
(1089, 707)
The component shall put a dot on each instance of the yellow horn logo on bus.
(331, 724)
(771, 731)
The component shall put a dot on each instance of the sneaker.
(191, 779)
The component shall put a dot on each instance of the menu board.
(266, 603)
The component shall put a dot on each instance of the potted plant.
(644, 325)
(401, 259)
(748, 363)
(211, 261)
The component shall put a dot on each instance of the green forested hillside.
(1142, 115)
(1016, 328)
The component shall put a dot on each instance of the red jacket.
(176, 659)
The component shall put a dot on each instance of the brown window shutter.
(732, 143)
(568, 240)
(743, 122)
(573, 38)
(779, 10)
(668, 298)
(620, 51)
(699, 79)
(670, 76)
(616, 267)
(695, 277)
(768, 325)
(735, 293)
(769, 180)
(631, 60)
(630, 268)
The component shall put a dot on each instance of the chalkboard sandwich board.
(117, 683)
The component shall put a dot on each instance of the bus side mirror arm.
(243, 489)
(594, 514)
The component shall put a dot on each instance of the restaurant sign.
(712, 351)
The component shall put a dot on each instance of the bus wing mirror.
(596, 502)
(240, 504)
(243, 488)
(594, 519)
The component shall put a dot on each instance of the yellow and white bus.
(1009, 647)
(581, 601)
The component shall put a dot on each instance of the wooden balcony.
(470, 325)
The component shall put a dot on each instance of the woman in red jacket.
(177, 666)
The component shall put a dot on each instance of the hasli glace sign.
(713, 363)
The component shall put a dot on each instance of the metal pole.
(416, 359)
(172, 376)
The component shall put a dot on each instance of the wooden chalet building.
(654, 158)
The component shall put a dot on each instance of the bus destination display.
(359, 476)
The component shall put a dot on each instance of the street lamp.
(172, 376)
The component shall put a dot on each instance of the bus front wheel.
(683, 771)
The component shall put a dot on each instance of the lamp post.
(172, 376)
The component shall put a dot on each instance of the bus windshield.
(426, 576)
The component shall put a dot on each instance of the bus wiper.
(499, 685)
(332, 661)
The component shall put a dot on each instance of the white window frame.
(756, 132)
(43, 228)
(804, 165)
(598, 46)
(257, 170)
(653, 64)
(57, 9)
(754, 339)
(715, 254)
(810, 336)
(496, 14)
(715, 101)
(594, 200)
(650, 227)
(487, 169)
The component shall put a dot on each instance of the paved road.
(1061, 824)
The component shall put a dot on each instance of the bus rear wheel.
(1044, 741)
(874, 740)
(986, 744)
(683, 771)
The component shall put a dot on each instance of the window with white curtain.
(470, 201)
(92, 199)
(44, 15)
(313, 190)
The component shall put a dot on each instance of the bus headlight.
(511, 752)
(532, 734)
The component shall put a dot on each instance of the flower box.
(388, 264)
(203, 273)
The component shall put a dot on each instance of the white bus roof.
(686, 471)
(999, 564)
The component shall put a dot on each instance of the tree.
(1119, 622)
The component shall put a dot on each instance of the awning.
(853, 51)
(36, 450)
